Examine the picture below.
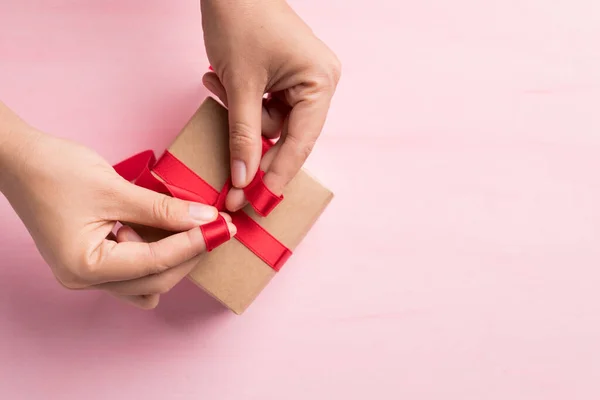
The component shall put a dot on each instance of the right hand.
(263, 46)
(70, 199)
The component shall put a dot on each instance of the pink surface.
(474, 126)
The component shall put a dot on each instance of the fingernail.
(232, 229)
(202, 213)
(132, 236)
(238, 173)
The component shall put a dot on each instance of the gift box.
(197, 163)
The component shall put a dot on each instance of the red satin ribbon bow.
(177, 180)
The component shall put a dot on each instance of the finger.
(144, 302)
(303, 127)
(146, 207)
(245, 113)
(141, 300)
(283, 161)
(212, 82)
(130, 260)
(274, 109)
(151, 284)
(127, 234)
(236, 199)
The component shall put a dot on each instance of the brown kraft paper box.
(232, 273)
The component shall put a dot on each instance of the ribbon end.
(262, 199)
(215, 233)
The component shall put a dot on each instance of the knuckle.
(79, 270)
(237, 77)
(235, 80)
(233, 77)
(329, 74)
(303, 148)
(280, 178)
(163, 208)
(162, 288)
(323, 80)
(156, 262)
(336, 69)
(111, 187)
(149, 302)
(241, 136)
(86, 272)
(162, 285)
(69, 281)
(306, 149)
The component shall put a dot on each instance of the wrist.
(15, 137)
(229, 6)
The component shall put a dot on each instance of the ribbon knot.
(262, 200)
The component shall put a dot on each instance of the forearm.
(215, 10)
(15, 137)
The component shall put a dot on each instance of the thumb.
(245, 111)
(146, 207)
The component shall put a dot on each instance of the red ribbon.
(181, 182)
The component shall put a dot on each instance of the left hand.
(70, 200)
(257, 47)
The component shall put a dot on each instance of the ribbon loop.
(260, 197)
(215, 233)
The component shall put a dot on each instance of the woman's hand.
(262, 46)
(70, 200)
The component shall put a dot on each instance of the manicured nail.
(202, 213)
(238, 173)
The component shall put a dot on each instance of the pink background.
(465, 135)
